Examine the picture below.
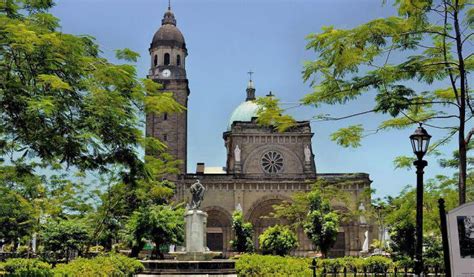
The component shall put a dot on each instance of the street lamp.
(419, 141)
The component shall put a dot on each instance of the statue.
(237, 154)
(362, 219)
(307, 154)
(197, 191)
(365, 245)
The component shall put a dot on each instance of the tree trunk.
(462, 109)
(462, 167)
(136, 250)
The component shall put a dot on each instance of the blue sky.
(227, 38)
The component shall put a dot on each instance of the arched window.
(178, 60)
(165, 116)
(155, 60)
(167, 59)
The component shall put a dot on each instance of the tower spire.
(168, 18)
(250, 88)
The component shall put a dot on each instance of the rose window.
(272, 162)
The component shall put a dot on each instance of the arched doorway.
(219, 225)
(259, 215)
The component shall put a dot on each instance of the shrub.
(63, 238)
(96, 249)
(110, 265)
(266, 265)
(25, 268)
(259, 265)
(378, 263)
(404, 261)
(278, 240)
(243, 234)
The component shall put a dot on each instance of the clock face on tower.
(166, 73)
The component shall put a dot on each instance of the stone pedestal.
(307, 167)
(196, 222)
(237, 168)
(196, 244)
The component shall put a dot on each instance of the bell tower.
(168, 59)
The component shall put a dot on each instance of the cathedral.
(264, 167)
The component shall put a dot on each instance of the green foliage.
(295, 211)
(25, 268)
(270, 113)
(403, 162)
(348, 137)
(322, 223)
(278, 240)
(16, 216)
(398, 215)
(61, 238)
(65, 105)
(377, 263)
(427, 45)
(162, 224)
(243, 234)
(110, 265)
(258, 265)
(433, 252)
(127, 54)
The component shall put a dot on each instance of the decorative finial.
(250, 88)
(169, 5)
(250, 74)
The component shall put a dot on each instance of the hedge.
(25, 268)
(111, 265)
(108, 265)
(263, 265)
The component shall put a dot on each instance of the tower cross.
(169, 4)
(250, 74)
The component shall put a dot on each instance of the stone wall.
(256, 196)
(254, 141)
(173, 130)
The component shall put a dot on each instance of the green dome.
(244, 112)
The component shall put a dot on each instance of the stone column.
(196, 222)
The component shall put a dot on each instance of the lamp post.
(419, 141)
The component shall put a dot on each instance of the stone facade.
(168, 54)
(255, 141)
(264, 167)
(256, 197)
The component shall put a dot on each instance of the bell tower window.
(155, 60)
(178, 60)
(165, 116)
(167, 59)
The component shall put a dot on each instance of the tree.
(410, 47)
(278, 240)
(64, 237)
(321, 224)
(295, 212)
(428, 43)
(65, 108)
(243, 234)
(162, 224)
(402, 235)
(16, 216)
(65, 105)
